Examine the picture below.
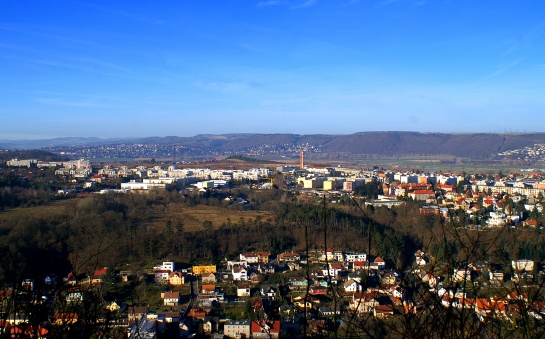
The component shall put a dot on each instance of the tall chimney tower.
(301, 160)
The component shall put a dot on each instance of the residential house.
(208, 289)
(170, 317)
(423, 195)
(203, 269)
(378, 264)
(196, 315)
(71, 279)
(98, 276)
(283, 258)
(530, 223)
(318, 290)
(333, 270)
(239, 274)
(255, 257)
(170, 298)
(269, 290)
(388, 279)
(461, 274)
(359, 265)
(51, 279)
(210, 324)
(74, 295)
(486, 308)
(351, 286)
(265, 329)
(328, 255)
(266, 269)
(66, 318)
(243, 291)
(496, 277)
(161, 276)
(134, 313)
(237, 328)
(167, 266)
(383, 311)
(353, 257)
(209, 278)
(329, 311)
(176, 278)
(364, 302)
(297, 283)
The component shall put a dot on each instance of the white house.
(352, 286)
(353, 257)
(239, 274)
(243, 291)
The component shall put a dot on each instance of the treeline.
(24, 187)
(30, 154)
(117, 229)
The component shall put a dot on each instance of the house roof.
(379, 260)
(209, 287)
(265, 326)
(384, 309)
(171, 295)
(175, 274)
(139, 309)
(100, 272)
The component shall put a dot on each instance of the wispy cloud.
(270, 3)
(501, 69)
(304, 4)
(525, 39)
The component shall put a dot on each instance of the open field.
(50, 212)
(191, 216)
(194, 216)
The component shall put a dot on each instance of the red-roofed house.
(170, 298)
(98, 275)
(265, 329)
(423, 195)
(378, 263)
(383, 311)
(208, 289)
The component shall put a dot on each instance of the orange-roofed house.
(98, 275)
(208, 289)
(265, 329)
(423, 195)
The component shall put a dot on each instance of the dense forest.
(115, 229)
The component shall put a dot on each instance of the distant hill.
(29, 154)
(468, 145)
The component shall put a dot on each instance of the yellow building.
(202, 269)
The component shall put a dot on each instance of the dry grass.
(194, 216)
(191, 216)
(48, 213)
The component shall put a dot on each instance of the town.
(323, 290)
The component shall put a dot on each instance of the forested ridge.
(115, 229)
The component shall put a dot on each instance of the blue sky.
(158, 68)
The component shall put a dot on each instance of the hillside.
(465, 145)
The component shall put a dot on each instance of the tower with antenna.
(301, 160)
